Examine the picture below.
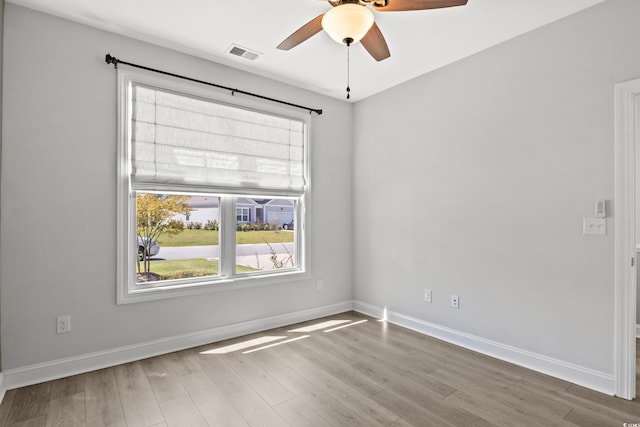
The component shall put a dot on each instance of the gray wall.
(58, 251)
(474, 179)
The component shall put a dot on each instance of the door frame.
(627, 109)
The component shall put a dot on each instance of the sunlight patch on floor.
(318, 326)
(345, 326)
(244, 344)
(269, 341)
(275, 344)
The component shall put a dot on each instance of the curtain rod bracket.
(115, 61)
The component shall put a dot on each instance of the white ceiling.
(419, 41)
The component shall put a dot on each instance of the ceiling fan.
(350, 21)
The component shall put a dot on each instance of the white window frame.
(127, 290)
(242, 214)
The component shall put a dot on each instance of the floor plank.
(139, 403)
(502, 413)
(211, 401)
(182, 363)
(345, 393)
(163, 381)
(6, 405)
(263, 383)
(29, 403)
(416, 415)
(68, 386)
(103, 404)
(182, 412)
(254, 409)
(34, 422)
(68, 411)
(297, 413)
(329, 407)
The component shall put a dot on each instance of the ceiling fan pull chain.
(348, 64)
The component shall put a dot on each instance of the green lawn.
(190, 238)
(194, 267)
(246, 237)
(209, 237)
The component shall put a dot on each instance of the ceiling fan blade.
(308, 30)
(375, 43)
(400, 5)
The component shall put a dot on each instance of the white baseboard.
(586, 377)
(3, 387)
(34, 374)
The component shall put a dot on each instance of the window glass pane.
(265, 234)
(177, 236)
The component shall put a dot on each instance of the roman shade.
(185, 140)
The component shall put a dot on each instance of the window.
(208, 191)
(242, 214)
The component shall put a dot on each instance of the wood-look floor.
(365, 373)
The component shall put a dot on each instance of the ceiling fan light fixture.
(348, 21)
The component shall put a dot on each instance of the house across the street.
(248, 211)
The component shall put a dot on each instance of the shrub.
(266, 227)
(245, 227)
(194, 225)
(211, 225)
(176, 224)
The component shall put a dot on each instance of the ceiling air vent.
(243, 52)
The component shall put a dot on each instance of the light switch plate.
(594, 226)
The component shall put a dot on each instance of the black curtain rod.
(115, 61)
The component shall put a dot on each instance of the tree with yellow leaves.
(154, 216)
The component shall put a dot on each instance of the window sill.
(128, 296)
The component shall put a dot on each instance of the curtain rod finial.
(111, 60)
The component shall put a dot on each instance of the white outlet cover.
(427, 295)
(63, 324)
(455, 301)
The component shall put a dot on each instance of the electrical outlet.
(455, 301)
(63, 324)
(427, 295)
(320, 284)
